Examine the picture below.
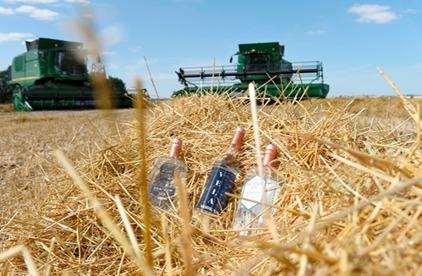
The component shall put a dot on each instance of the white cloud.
(36, 13)
(82, 2)
(135, 49)
(6, 11)
(378, 14)
(410, 11)
(316, 32)
(109, 53)
(31, 1)
(4, 37)
(112, 35)
(35, 2)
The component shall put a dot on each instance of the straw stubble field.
(349, 203)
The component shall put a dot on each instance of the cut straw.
(255, 122)
(358, 177)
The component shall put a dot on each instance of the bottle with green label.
(258, 193)
(162, 189)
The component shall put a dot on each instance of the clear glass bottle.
(162, 189)
(221, 180)
(258, 192)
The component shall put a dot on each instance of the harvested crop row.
(350, 199)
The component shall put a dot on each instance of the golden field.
(350, 171)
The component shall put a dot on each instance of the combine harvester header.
(51, 74)
(262, 63)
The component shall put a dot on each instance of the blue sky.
(351, 38)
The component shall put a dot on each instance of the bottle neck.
(270, 156)
(175, 148)
(236, 143)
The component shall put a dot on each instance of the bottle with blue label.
(162, 189)
(222, 178)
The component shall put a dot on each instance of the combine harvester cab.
(53, 74)
(262, 63)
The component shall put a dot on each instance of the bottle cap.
(175, 148)
(237, 141)
(270, 155)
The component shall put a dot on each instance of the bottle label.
(253, 191)
(162, 189)
(271, 190)
(214, 198)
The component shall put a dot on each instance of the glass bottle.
(162, 189)
(258, 192)
(221, 179)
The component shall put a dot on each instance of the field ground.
(27, 141)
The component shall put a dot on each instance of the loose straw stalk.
(142, 172)
(20, 249)
(186, 241)
(269, 221)
(255, 122)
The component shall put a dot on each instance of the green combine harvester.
(52, 74)
(262, 63)
(5, 95)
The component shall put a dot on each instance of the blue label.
(214, 198)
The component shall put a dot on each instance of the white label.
(271, 190)
(254, 190)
